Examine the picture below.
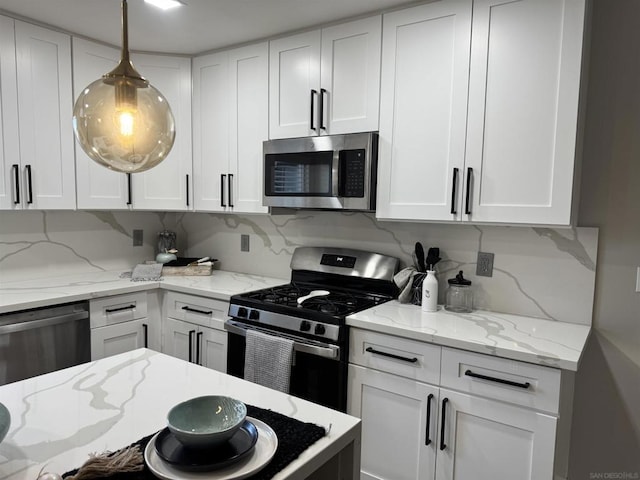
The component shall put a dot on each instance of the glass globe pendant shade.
(121, 121)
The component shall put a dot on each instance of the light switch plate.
(484, 264)
(137, 238)
(244, 242)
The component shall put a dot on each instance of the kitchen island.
(58, 419)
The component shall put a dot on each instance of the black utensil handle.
(187, 192)
(391, 355)
(191, 334)
(195, 310)
(230, 189)
(119, 309)
(128, 189)
(454, 189)
(222, 179)
(16, 179)
(427, 440)
(524, 385)
(322, 95)
(29, 185)
(198, 349)
(311, 119)
(467, 206)
(444, 413)
(145, 334)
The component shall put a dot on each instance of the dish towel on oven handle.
(268, 360)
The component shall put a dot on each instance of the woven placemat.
(294, 437)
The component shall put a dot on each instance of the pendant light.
(121, 121)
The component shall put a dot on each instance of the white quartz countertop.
(58, 419)
(40, 292)
(534, 340)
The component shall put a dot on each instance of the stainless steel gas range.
(327, 285)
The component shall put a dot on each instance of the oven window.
(296, 174)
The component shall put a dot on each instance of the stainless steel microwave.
(324, 172)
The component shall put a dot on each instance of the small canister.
(459, 295)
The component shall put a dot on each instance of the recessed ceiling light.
(165, 4)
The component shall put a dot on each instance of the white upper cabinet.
(97, 187)
(423, 109)
(230, 122)
(37, 145)
(523, 110)
(479, 111)
(326, 81)
(168, 186)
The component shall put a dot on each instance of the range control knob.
(254, 315)
(242, 312)
(319, 330)
(305, 326)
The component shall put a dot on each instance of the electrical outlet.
(244, 242)
(484, 265)
(137, 238)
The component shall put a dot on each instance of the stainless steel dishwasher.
(42, 340)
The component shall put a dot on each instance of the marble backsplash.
(541, 272)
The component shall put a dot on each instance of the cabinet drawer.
(118, 308)
(400, 356)
(511, 381)
(207, 312)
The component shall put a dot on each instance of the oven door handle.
(321, 350)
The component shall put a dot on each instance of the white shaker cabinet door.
(489, 440)
(211, 132)
(350, 77)
(398, 424)
(45, 109)
(169, 185)
(294, 82)
(248, 126)
(11, 185)
(211, 348)
(97, 187)
(178, 338)
(423, 108)
(117, 338)
(523, 110)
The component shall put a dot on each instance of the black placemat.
(294, 437)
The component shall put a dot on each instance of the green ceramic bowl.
(208, 421)
(5, 421)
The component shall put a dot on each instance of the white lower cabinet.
(192, 329)
(431, 412)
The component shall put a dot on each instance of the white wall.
(606, 422)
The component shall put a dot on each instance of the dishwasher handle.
(11, 327)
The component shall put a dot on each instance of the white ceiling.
(199, 26)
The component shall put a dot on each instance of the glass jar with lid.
(459, 295)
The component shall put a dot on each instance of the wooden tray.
(181, 267)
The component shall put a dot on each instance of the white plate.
(262, 453)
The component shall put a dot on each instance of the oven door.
(318, 373)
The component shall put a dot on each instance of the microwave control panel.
(352, 173)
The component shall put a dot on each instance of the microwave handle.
(336, 189)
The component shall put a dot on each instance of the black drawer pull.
(29, 185)
(129, 194)
(191, 334)
(145, 334)
(467, 204)
(223, 177)
(524, 385)
(444, 414)
(119, 309)
(427, 440)
(16, 179)
(311, 119)
(198, 346)
(454, 188)
(195, 310)
(391, 355)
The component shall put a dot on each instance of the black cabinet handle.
(391, 355)
(195, 310)
(145, 334)
(198, 345)
(191, 334)
(222, 179)
(444, 413)
(119, 309)
(230, 190)
(524, 385)
(427, 440)
(311, 119)
(16, 179)
(467, 207)
(29, 185)
(323, 92)
(128, 189)
(454, 188)
(187, 189)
